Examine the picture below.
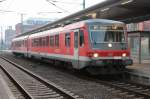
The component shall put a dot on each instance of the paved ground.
(5, 92)
(142, 69)
(140, 73)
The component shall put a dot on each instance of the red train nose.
(93, 54)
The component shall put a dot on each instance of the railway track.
(127, 89)
(33, 86)
(134, 90)
(118, 89)
(137, 89)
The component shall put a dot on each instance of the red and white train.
(97, 45)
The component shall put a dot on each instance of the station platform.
(139, 73)
(5, 92)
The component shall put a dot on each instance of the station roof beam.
(122, 10)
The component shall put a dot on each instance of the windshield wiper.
(123, 45)
(94, 42)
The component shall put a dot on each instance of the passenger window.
(40, 41)
(44, 41)
(57, 40)
(47, 40)
(67, 40)
(32, 43)
(52, 41)
(81, 38)
(36, 42)
(25, 43)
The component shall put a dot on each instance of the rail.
(32, 85)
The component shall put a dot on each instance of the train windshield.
(101, 36)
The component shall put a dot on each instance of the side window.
(40, 41)
(44, 41)
(57, 40)
(51, 41)
(36, 42)
(67, 40)
(81, 38)
(32, 42)
(25, 43)
(47, 40)
(22, 43)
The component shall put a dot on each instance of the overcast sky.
(32, 8)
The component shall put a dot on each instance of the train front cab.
(101, 48)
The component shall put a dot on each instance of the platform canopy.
(127, 11)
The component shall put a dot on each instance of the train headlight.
(124, 55)
(95, 55)
(109, 45)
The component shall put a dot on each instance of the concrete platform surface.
(139, 73)
(5, 92)
(142, 69)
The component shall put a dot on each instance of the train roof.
(20, 38)
(70, 26)
(103, 21)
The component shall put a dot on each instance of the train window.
(37, 41)
(47, 40)
(43, 41)
(67, 40)
(25, 43)
(32, 43)
(57, 40)
(22, 43)
(16, 44)
(51, 40)
(81, 38)
(40, 41)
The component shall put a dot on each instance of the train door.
(76, 49)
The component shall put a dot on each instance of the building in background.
(30, 24)
(139, 41)
(9, 35)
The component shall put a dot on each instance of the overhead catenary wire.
(57, 6)
(72, 3)
(66, 2)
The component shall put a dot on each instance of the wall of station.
(139, 41)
